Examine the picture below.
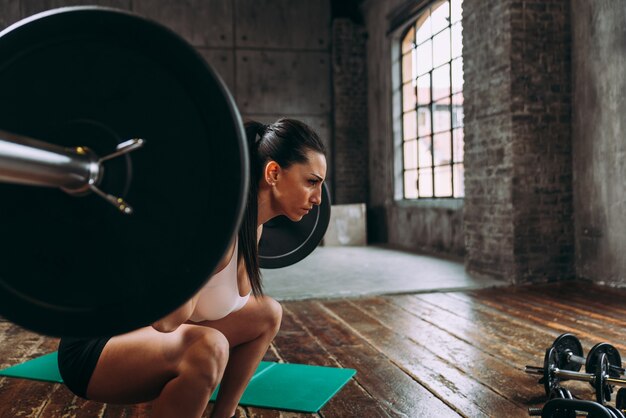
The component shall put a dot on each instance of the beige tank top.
(220, 296)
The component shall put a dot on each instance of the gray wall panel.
(10, 13)
(31, 7)
(222, 61)
(271, 82)
(300, 24)
(204, 23)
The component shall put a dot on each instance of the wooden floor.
(424, 355)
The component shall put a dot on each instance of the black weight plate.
(568, 343)
(615, 411)
(620, 399)
(90, 76)
(603, 389)
(612, 355)
(285, 242)
(550, 380)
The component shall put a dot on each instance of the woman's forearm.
(172, 321)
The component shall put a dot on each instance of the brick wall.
(488, 135)
(542, 148)
(349, 79)
(518, 205)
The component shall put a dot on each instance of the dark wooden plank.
(504, 337)
(498, 335)
(20, 395)
(536, 342)
(585, 301)
(586, 316)
(558, 321)
(397, 392)
(455, 371)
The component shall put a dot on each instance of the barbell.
(136, 163)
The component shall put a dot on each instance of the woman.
(222, 333)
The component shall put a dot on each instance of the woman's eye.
(313, 182)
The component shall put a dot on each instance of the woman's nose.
(316, 198)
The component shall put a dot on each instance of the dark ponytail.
(286, 141)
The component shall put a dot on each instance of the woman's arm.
(172, 321)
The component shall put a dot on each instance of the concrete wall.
(599, 151)
(274, 55)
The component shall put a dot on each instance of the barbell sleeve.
(29, 161)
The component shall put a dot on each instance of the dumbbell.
(570, 355)
(557, 393)
(600, 379)
(569, 408)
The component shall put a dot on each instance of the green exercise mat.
(286, 386)
(293, 387)
(41, 368)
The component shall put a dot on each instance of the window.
(432, 103)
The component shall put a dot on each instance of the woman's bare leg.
(249, 332)
(178, 370)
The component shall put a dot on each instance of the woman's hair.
(287, 142)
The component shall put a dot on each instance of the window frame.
(399, 32)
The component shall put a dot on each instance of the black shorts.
(77, 361)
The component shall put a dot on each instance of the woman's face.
(299, 187)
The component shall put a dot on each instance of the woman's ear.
(272, 169)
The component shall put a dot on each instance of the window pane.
(442, 148)
(457, 9)
(410, 154)
(423, 89)
(457, 110)
(425, 183)
(423, 28)
(439, 16)
(441, 82)
(423, 121)
(425, 152)
(408, 97)
(432, 103)
(459, 180)
(410, 125)
(457, 75)
(410, 184)
(443, 181)
(457, 40)
(424, 57)
(407, 67)
(457, 145)
(441, 115)
(408, 41)
(441, 48)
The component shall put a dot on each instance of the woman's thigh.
(134, 367)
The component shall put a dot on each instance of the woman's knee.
(272, 315)
(206, 356)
